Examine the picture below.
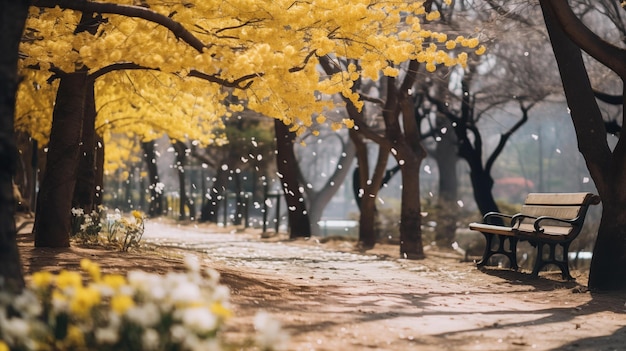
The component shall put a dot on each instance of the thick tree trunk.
(409, 154)
(367, 190)
(85, 189)
(411, 246)
(12, 18)
(54, 202)
(286, 163)
(155, 209)
(608, 265)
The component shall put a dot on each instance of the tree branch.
(609, 55)
(130, 11)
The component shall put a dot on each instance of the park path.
(330, 297)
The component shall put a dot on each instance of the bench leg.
(563, 264)
(511, 252)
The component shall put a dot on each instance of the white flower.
(185, 292)
(15, 329)
(150, 339)
(77, 212)
(212, 277)
(179, 333)
(270, 335)
(28, 304)
(221, 293)
(198, 319)
(146, 315)
(206, 345)
(192, 263)
(148, 283)
(114, 217)
(106, 335)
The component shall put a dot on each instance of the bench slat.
(493, 229)
(559, 198)
(563, 212)
(549, 231)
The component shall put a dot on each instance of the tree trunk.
(446, 158)
(608, 265)
(99, 166)
(409, 153)
(54, 202)
(155, 209)
(286, 163)
(411, 246)
(239, 200)
(214, 196)
(482, 184)
(367, 190)
(84, 191)
(320, 199)
(181, 161)
(12, 19)
(26, 174)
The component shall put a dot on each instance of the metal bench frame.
(539, 223)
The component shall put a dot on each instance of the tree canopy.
(211, 47)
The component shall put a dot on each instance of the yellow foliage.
(271, 47)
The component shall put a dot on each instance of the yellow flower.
(335, 126)
(390, 71)
(137, 215)
(315, 132)
(450, 44)
(431, 16)
(115, 281)
(41, 280)
(320, 119)
(68, 279)
(430, 67)
(92, 268)
(348, 122)
(73, 340)
(3, 346)
(121, 303)
(84, 299)
(472, 43)
(481, 50)
(219, 310)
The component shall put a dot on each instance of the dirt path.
(330, 297)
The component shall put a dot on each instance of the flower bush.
(140, 311)
(113, 229)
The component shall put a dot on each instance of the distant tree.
(320, 188)
(181, 152)
(248, 152)
(155, 206)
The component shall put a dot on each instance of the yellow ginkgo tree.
(265, 53)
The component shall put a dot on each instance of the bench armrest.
(520, 217)
(489, 215)
(538, 221)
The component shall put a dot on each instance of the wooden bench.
(546, 219)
